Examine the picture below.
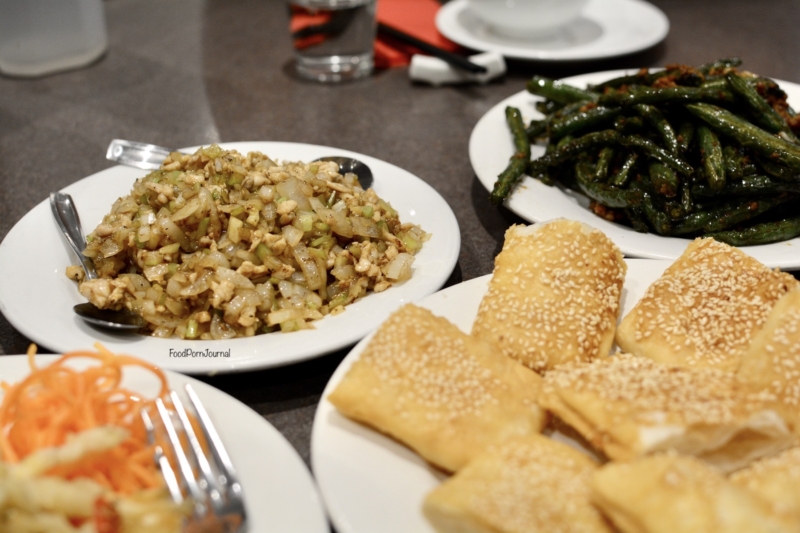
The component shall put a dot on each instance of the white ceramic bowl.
(522, 19)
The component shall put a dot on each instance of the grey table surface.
(187, 72)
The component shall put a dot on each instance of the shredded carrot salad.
(56, 401)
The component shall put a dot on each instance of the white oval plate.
(606, 28)
(279, 492)
(372, 483)
(491, 146)
(37, 298)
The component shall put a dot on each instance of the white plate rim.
(280, 493)
(597, 11)
(415, 200)
(490, 146)
(370, 482)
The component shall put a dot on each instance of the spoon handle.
(136, 154)
(67, 218)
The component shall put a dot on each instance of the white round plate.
(605, 29)
(37, 298)
(279, 492)
(372, 483)
(491, 146)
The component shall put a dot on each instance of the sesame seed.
(568, 310)
(706, 307)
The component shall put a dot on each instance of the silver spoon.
(70, 224)
(150, 157)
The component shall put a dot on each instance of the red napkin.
(414, 17)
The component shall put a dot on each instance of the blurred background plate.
(605, 29)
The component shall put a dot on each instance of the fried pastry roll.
(705, 308)
(523, 485)
(630, 406)
(772, 361)
(441, 392)
(670, 493)
(554, 295)
(774, 480)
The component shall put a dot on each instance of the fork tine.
(209, 482)
(184, 467)
(173, 486)
(229, 481)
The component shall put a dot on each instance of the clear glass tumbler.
(38, 37)
(333, 39)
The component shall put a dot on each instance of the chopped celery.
(411, 244)
(338, 300)
(202, 228)
(263, 251)
(212, 152)
(192, 329)
(320, 240)
(170, 248)
(306, 221)
(390, 212)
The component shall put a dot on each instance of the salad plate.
(37, 298)
(370, 482)
(491, 146)
(605, 29)
(279, 492)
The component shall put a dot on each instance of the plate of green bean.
(653, 159)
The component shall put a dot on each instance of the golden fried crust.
(630, 406)
(670, 493)
(772, 361)
(705, 309)
(439, 391)
(554, 296)
(774, 480)
(524, 485)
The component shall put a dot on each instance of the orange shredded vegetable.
(56, 401)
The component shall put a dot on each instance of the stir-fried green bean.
(764, 233)
(711, 158)
(682, 151)
(518, 162)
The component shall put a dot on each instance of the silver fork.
(136, 154)
(216, 496)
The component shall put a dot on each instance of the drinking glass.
(333, 39)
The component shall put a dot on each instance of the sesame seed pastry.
(772, 361)
(705, 309)
(774, 480)
(629, 406)
(441, 392)
(526, 484)
(670, 493)
(554, 295)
